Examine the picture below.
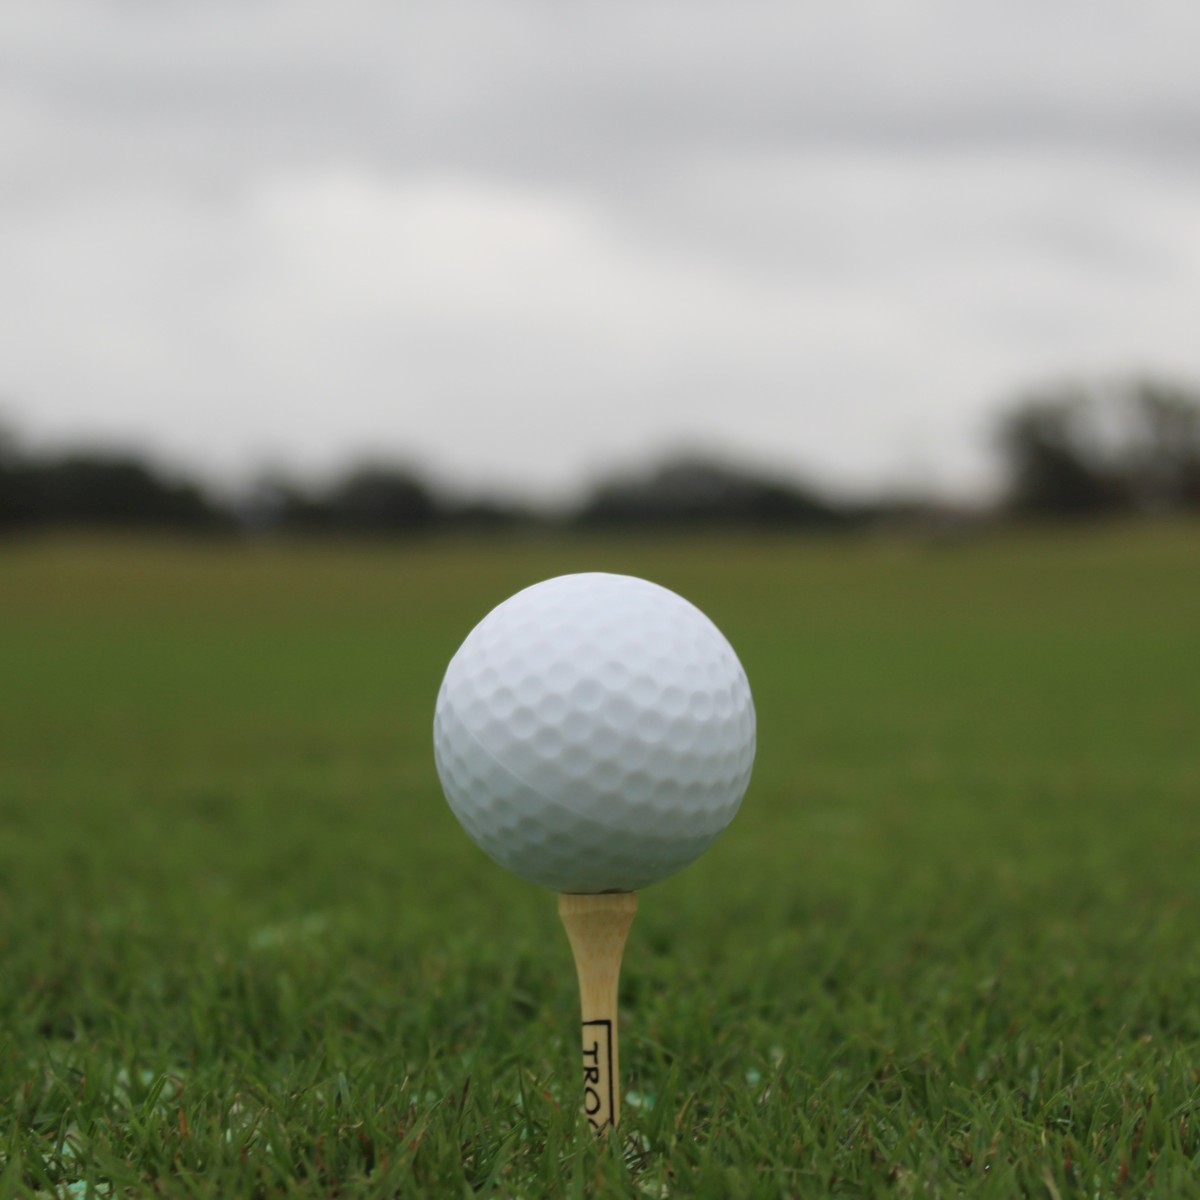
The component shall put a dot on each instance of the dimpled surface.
(594, 733)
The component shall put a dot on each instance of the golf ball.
(594, 733)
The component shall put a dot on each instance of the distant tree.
(98, 490)
(485, 514)
(382, 499)
(13, 486)
(1098, 450)
(116, 490)
(692, 491)
(368, 499)
(1161, 452)
(1055, 459)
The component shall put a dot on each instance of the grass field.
(949, 947)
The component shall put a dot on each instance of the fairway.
(948, 947)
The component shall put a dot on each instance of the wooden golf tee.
(597, 926)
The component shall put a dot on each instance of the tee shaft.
(597, 926)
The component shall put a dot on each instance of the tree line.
(1071, 451)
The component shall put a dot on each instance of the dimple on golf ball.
(594, 733)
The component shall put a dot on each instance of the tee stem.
(597, 926)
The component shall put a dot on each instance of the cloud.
(503, 88)
(522, 244)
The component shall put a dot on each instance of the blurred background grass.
(245, 732)
(969, 843)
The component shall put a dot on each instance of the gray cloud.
(512, 84)
(524, 242)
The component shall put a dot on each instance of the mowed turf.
(950, 946)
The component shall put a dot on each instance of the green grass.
(949, 947)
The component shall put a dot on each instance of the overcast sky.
(517, 244)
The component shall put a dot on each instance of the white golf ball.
(594, 733)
